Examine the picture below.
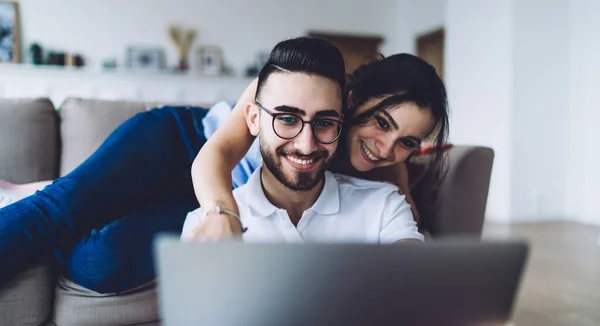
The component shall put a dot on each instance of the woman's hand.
(216, 227)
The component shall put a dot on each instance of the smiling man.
(292, 197)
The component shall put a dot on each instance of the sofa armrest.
(464, 192)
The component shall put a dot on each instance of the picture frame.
(145, 58)
(10, 46)
(209, 60)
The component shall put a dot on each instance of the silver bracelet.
(221, 210)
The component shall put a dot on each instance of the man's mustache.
(315, 154)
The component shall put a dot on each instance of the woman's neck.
(342, 165)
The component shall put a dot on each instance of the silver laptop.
(443, 283)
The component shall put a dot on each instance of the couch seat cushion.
(27, 299)
(78, 306)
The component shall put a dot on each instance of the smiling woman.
(9, 32)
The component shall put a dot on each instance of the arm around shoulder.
(211, 170)
(397, 223)
(212, 167)
(397, 174)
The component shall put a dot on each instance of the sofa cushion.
(78, 306)
(27, 299)
(85, 124)
(28, 140)
(468, 180)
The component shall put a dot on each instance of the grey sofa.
(40, 142)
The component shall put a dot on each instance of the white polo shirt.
(347, 210)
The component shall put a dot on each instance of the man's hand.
(216, 227)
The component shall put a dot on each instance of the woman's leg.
(136, 166)
(119, 256)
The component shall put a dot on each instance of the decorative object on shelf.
(9, 32)
(36, 52)
(210, 60)
(145, 58)
(64, 59)
(183, 39)
(252, 70)
(262, 57)
(109, 64)
(74, 60)
(56, 58)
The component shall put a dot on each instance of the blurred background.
(522, 78)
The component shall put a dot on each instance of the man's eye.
(288, 119)
(382, 123)
(323, 124)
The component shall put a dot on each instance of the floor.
(561, 285)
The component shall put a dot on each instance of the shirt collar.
(256, 198)
(328, 201)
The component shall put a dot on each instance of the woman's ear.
(350, 99)
(252, 118)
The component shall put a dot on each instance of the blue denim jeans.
(100, 219)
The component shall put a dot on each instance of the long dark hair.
(397, 79)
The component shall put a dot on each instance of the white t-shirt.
(347, 210)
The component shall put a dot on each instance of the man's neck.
(294, 202)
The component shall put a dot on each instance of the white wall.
(417, 17)
(540, 129)
(511, 67)
(426, 15)
(105, 28)
(583, 193)
(478, 75)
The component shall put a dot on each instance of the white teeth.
(299, 161)
(368, 152)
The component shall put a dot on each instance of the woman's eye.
(408, 143)
(382, 123)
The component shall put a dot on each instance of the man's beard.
(305, 180)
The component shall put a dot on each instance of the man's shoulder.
(241, 191)
(353, 183)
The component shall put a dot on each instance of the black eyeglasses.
(289, 125)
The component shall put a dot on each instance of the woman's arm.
(404, 185)
(211, 171)
(397, 174)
